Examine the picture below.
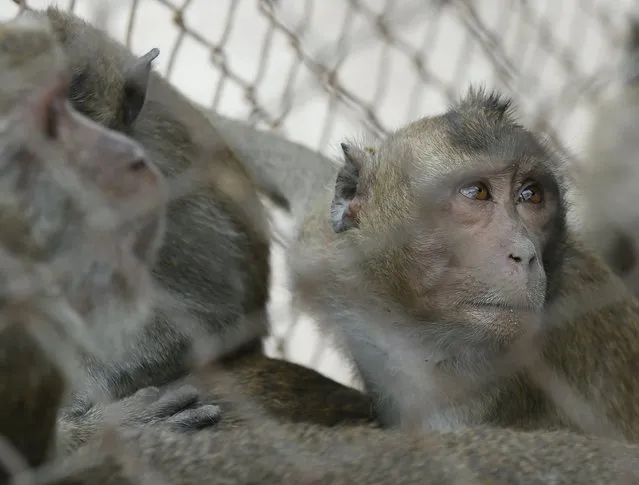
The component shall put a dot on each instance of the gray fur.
(212, 272)
(272, 453)
(295, 171)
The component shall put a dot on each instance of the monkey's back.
(214, 262)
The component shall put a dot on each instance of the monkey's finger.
(175, 401)
(198, 418)
(145, 396)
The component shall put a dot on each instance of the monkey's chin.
(505, 322)
(523, 307)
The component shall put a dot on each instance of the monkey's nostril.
(138, 165)
(516, 259)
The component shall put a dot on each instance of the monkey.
(605, 181)
(62, 207)
(168, 126)
(213, 264)
(446, 248)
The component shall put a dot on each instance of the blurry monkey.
(604, 208)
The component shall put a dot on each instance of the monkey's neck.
(416, 378)
(409, 390)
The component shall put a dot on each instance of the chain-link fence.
(315, 71)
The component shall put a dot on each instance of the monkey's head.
(465, 215)
(79, 201)
(107, 84)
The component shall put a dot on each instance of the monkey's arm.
(273, 453)
(178, 407)
(297, 173)
(285, 390)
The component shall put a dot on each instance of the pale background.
(273, 67)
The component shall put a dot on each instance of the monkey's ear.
(136, 81)
(346, 203)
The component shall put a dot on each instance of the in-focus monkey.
(439, 251)
(80, 218)
(604, 205)
(215, 259)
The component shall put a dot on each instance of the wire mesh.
(315, 72)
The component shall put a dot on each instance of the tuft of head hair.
(491, 103)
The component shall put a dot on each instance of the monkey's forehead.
(445, 144)
(28, 44)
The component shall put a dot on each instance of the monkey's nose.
(138, 165)
(521, 258)
(130, 177)
(138, 174)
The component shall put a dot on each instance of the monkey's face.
(470, 209)
(496, 225)
(82, 200)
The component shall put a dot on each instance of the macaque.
(212, 270)
(442, 264)
(213, 265)
(82, 212)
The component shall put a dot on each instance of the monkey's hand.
(179, 408)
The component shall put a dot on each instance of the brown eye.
(477, 191)
(532, 194)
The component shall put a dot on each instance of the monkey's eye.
(477, 191)
(531, 193)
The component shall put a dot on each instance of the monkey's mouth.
(145, 234)
(507, 307)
